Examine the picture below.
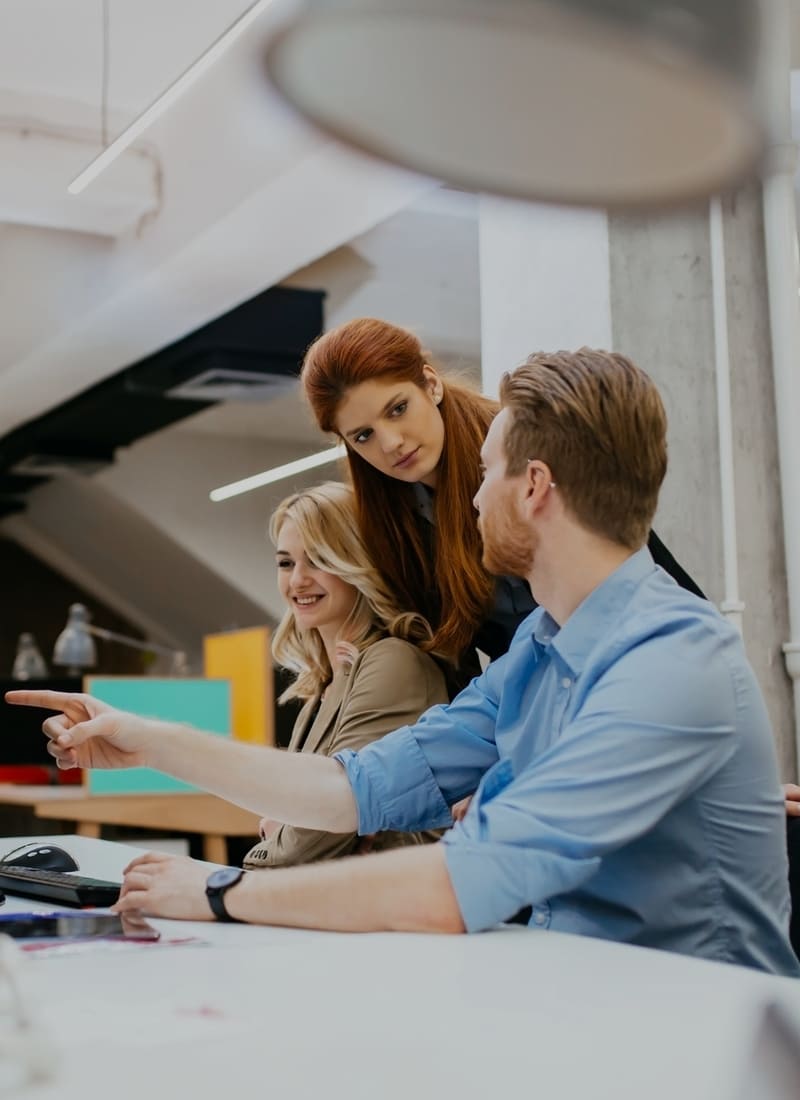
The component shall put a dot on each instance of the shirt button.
(566, 682)
(540, 918)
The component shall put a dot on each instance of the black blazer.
(793, 843)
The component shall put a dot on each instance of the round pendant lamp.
(616, 103)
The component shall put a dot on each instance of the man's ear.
(538, 483)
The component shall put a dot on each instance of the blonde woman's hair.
(325, 517)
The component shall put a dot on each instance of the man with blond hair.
(620, 753)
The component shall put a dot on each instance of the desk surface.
(293, 1014)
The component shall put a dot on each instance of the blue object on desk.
(202, 703)
(75, 925)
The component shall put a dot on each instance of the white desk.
(289, 1015)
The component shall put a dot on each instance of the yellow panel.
(243, 657)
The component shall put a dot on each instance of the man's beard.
(507, 549)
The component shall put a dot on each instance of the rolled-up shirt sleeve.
(634, 751)
(409, 779)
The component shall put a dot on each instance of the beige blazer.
(388, 685)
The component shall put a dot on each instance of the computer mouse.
(47, 857)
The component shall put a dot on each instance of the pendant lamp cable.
(104, 75)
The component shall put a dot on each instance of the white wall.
(544, 282)
(168, 477)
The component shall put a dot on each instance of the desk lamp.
(75, 646)
(29, 664)
(617, 103)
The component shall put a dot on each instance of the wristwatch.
(217, 884)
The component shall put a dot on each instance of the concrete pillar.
(783, 280)
(661, 296)
(642, 286)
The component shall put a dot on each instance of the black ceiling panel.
(269, 334)
(240, 352)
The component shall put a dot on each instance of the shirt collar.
(423, 501)
(585, 627)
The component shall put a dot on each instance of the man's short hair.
(598, 422)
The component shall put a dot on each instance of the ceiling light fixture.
(278, 473)
(618, 103)
(167, 98)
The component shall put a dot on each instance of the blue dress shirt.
(625, 780)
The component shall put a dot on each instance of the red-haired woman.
(413, 441)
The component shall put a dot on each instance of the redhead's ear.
(434, 383)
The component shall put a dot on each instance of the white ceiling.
(52, 48)
(419, 268)
(241, 196)
(247, 196)
(246, 193)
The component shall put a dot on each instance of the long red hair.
(453, 591)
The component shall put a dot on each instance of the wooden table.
(213, 818)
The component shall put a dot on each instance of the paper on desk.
(42, 948)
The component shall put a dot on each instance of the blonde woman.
(352, 650)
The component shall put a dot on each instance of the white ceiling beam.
(323, 201)
(37, 166)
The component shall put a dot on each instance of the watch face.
(224, 877)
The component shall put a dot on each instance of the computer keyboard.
(64, 887)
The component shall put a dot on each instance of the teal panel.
(205, 704)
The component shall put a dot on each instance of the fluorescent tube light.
(167, 98)
(278, 473)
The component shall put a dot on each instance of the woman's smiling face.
(396, 426)
(318, 600)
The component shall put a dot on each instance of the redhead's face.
(396, 426)
(318, 600)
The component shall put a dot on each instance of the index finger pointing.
(71, 703)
